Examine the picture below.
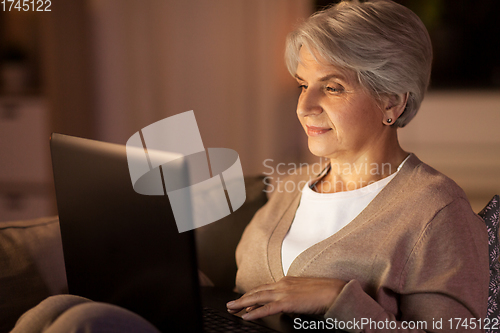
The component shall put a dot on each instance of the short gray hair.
(384, 43)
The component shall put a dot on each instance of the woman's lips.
(315, 131)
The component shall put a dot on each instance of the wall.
(457, 132)
(222, 59)
(111, 67)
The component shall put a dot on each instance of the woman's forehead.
(312, 60)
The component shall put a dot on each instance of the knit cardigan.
(417, 252)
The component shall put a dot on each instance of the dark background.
(466, 40)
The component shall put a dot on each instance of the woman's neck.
(349, 173)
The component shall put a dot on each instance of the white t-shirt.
(321, 215)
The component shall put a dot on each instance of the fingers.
(248, 309)
(264, 298)
(257, 304)
(250, 300)
(247, 299)
(291, 295)
(263, 311)
(251, 308)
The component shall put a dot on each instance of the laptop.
(124, 248)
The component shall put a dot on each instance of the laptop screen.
(122, 247)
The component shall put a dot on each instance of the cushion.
(31, 266)
(490, 215)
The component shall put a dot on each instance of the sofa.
(32, 262)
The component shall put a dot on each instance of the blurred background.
(104, 69)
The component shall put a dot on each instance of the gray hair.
(385, 44)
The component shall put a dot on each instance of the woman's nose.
(309, 103)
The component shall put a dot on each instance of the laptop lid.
(119, 246)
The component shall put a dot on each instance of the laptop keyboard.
(214, 322)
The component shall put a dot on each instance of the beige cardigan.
(416, 252)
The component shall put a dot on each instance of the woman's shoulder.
(428, 183)
(421, 196)
(415, 176)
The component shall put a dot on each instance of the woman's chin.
(319, 150)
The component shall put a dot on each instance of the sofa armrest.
(31, 266)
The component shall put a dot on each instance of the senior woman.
(378, 236)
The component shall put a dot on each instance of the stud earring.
(389, 120)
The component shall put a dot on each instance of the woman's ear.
(393, 107)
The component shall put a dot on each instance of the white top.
(321, 215)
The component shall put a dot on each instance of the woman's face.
(341, 118)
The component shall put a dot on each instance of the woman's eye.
(302, 87)
(334, 89)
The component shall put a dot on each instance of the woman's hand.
(289, 295)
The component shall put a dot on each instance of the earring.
(389, 120)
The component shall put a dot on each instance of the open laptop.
(124, 248)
